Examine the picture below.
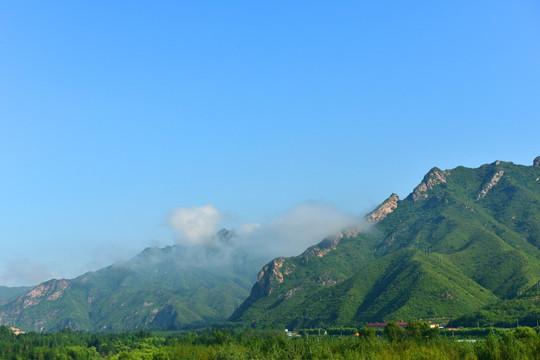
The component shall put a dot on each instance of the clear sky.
(115, 113)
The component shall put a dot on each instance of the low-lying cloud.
(298, 228)
(196, 230)
(195, 225)
(286, 235)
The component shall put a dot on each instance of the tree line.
(416, 341)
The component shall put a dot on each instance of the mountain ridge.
(160, 288)
(481, 225)
(464, 240)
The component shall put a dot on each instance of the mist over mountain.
(289, 233)
(200, 280)
(169, 288)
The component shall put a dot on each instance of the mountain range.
(464, 239)
(462, 246)
(170, 288)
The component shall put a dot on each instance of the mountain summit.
(463, 239)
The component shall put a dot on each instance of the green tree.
(393, 332)
(524, 332)
(367, 333)
(418, 330)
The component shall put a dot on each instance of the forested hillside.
(170, 288)
(462, 240)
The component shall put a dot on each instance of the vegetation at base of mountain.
(463, 240)
(523, 310)
(520, 343)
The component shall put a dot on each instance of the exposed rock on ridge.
(274, 273)
(388, 206)
(330, 243)
(271, 273)
(494, 180)
(455, 258)
(50, 290)
(537, 161)
(432, 179)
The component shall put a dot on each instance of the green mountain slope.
(286, 283)
(524, 310)
(463, 239)
(167, 288)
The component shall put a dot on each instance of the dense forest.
(416, 341)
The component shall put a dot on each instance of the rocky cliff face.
(388, 206)
(47, 291)
(278, 269)
(281, 270)
(268, 278)
(490, 184)
(537, 161)
(432, 179)
(330, 242)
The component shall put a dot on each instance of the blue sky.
(112, 114)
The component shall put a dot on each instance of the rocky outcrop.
(274, 273)
(432, 179)
(330, 243)
(50, 290)
(271, 275)
(388, 206)
(315, 251)
(537, 161)
(16, 331)
(490, 184)
(326, 279)
(292, 292)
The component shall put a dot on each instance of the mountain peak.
(388, 206)
(225, 235)
(433, 178)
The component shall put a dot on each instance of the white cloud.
(298, 228)
(248, 228)
(286, 235)
(195, 225)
